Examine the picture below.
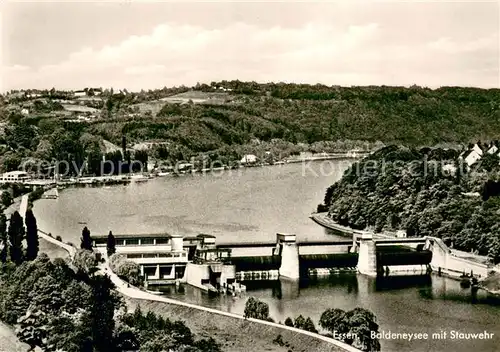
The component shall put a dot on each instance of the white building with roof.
(493, 149)
(161, 257)
(15, 176)
(248, 159)
(471, 156)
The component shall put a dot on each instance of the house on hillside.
(15, 176)
(96, 91)
(248, 159)
(25, 112)
(80, 93)
(471, 155)
(493, 149)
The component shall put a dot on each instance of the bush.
(58, 238)
(85, 261)
(322, 208)
(6, 198)
(126, 269)
(35, 195)
(257, 309)
(279, 340)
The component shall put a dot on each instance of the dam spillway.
(327, 261)
(295, 260)
(256, 263)
(398, 255)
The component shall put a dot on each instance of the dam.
(202, 262)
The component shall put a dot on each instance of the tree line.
(415, 191)
(67, 305)
(354, 327)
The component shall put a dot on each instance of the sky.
(147, 45)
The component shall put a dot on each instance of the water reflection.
(402, 282)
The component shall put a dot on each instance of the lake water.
(252, 205)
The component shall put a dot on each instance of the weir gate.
(291, 259)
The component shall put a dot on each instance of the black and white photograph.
(249, 176)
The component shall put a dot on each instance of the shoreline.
(146, 176)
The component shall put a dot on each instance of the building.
(472, 155)
(493, 149)
(161, 257)
(25, 112)
(15, 176)
(97, 91)
(167, 259)
(248, 159)
(80, 93)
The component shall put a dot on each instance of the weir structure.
(204, 263)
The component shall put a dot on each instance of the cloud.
(361, 54)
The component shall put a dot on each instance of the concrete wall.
(445, 262)
(195, 273)
(461, 265)
(290, 261)
(228, 272)
(252, 252)
(323, 249)
(367, 260)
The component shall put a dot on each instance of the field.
(199, 97)
(78, 108)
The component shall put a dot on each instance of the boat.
(139, 178)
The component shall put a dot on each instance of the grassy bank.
(52, 250)
(233, 334)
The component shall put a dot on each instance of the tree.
(16, 235)
(102, 312)
(256, 309)
(357, 325)
(333, 320)
(362, 323)
(300, 322)
(111, 244)
(124, 146)
(6, 198)
(86, 240)
(4, 243)
(31, 235)
(126, 269)
(85, 262)
(309, 325)
(289, 322)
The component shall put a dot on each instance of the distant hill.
(305, 113)
(229, 118)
